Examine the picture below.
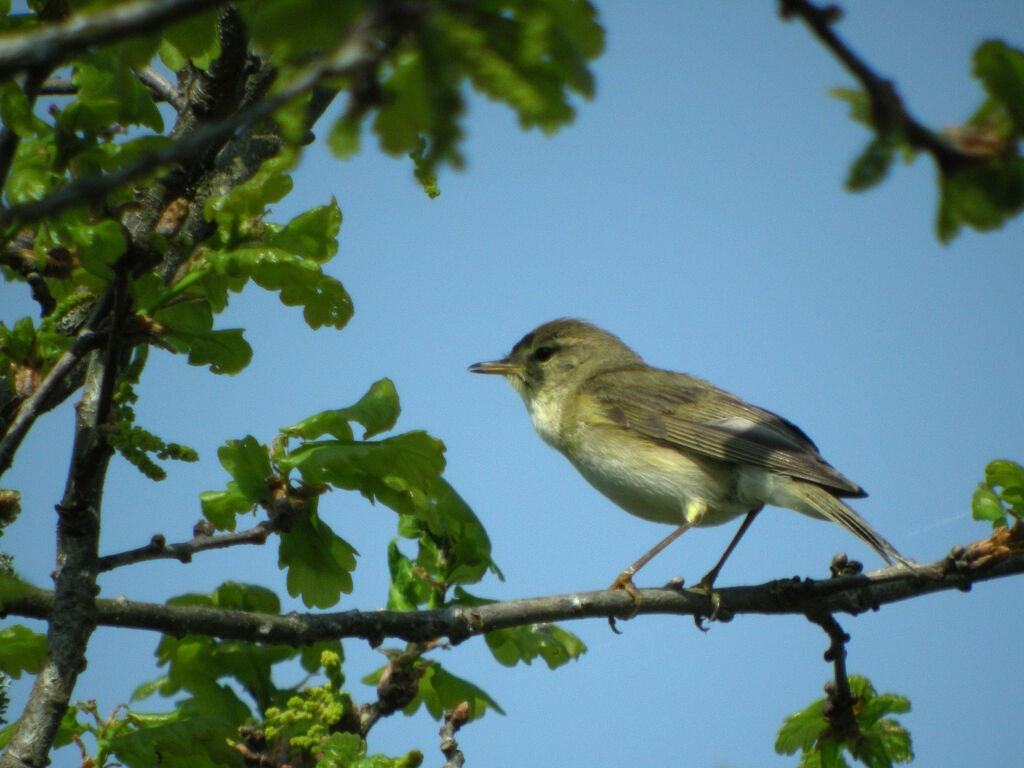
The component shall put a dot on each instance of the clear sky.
(696, 209)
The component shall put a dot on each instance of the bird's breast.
(652, 481)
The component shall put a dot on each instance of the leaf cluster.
(981, 173)
(877, 741)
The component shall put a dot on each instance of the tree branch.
(997, 557)
(453, 720)
(51, 44)
(88, 339)
(159, 549)
(887, 107)
(73, 617)
(350, 57)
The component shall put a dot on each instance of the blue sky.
(696, 209)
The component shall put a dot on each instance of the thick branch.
(53, 43)
(985, 560)
(886, 105)
(73, 617)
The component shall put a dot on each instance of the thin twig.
(453, 720)
(50, 44)
(159, 549)
(838, 709)
(886, 105)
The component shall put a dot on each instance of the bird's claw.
(706, 585)
(624, 581)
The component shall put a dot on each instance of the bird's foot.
(624, 581)
(706, 585)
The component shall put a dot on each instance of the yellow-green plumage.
(667, 446)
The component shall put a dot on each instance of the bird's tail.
(827, 505)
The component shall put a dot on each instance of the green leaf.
(1008, 477)
(290, 29)
(196, 663)
(313, 234)
(397, 471)
(16, 112)
(408, 589)
(108, 93)
(981, 196)
(222, 507)
(347, 750)
(99, 246)
(249, 465)
(859, 103)
(1001, 70)
(194, 39)
(377, 411)
(440, 690)
(249, 200)
(319, 563)
(194, 743)
(525, 643)
(985, 506)
(344, 138)
(21, 650)
(872, 166)
(32, 175)
(188, 328)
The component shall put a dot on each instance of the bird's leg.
(625, 579)
(709, 578)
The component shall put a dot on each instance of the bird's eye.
(543, 354)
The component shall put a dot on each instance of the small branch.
(51, 44)
(58, 86)
(162, 88)
(838, 709)
(997, 557)
(887, 106)
(398, 685)
(36, 403)
(350, 56)
(159, 549)
(453, 720)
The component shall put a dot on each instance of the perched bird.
(670, 447)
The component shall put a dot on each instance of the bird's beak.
(499, 367)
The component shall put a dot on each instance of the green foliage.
(192, 40)
(249, 466)
(108, 93)
(286, 259)
(133, 442)
(438, 690)
(878, 742)
(526, 54)
(308, 717)
(346, 750)
(21, 650)
(377, 411)
(1001, 494)
(197, 664)
(982, 188)
(318, 561)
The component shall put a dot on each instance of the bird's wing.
(663, 406)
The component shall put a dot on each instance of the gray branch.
(989, 559)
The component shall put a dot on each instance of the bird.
(669, 447)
